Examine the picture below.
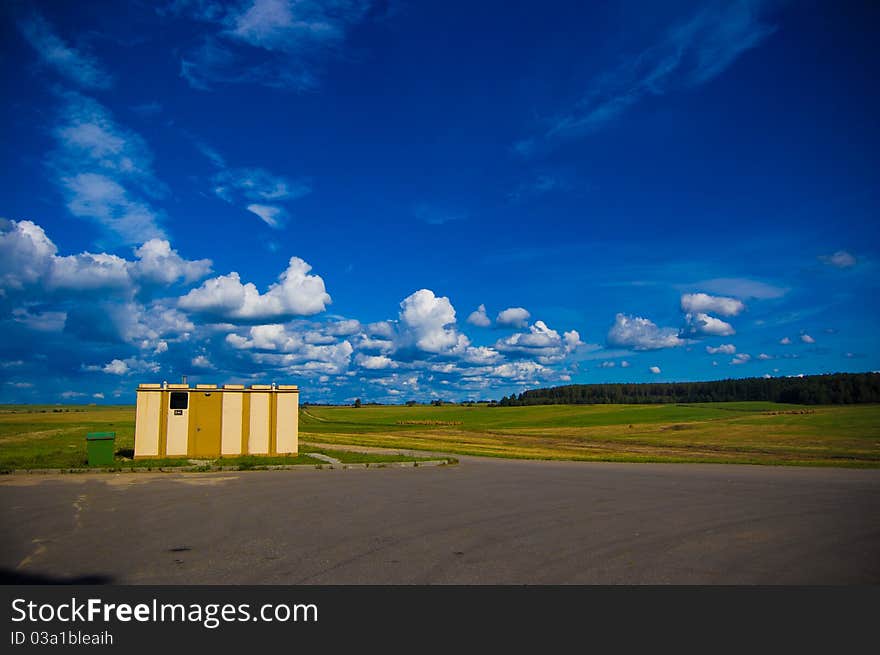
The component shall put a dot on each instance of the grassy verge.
(353, 457)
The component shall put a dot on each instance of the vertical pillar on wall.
(258, 439)
(232, 424)
(147, 420)
(287, 420)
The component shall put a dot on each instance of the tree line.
(830, 389)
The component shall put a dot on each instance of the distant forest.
(831, 389)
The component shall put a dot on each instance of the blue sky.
(397, 201)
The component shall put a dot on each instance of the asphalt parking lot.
(484, 521)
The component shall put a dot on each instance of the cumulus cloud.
(479, 317)
(641, 334)
(158, 263)
(429, 322)
(481, 355)
(694, 303)
(513, 317)
(541, 342)
(624, 364)
(741, 358)
(705, 325)
(201, 361)
(724, 349)
(28, 258)
(74, 64)
(309, 360)
(296, 293)
(116, 367)
(375, 362)
(839, 259)
(785, 341)
(806, 338)
(655, 370)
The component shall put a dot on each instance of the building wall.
(258, 421)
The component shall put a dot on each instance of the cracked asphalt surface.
(484, 521)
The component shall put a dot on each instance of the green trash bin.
(100, 447)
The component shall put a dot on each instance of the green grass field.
(747, 433)
(50, 436)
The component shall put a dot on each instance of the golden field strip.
(744, 432)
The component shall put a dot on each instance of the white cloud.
(99, 395)
(296, 293)
(655, 370)
(271, 215)
(624, 364)
(116, 367)
(376, 362)
(607, 364)
(541, 342)
(277, 43)
(343, 328)
(513, 317)
(703, 324)
(741, 358)
(103, 199)
(806, 338)
(481, 355)
(725, 349)
(157, 262)
(77, 66)
(840, 259)
(256, 189)
(785, 341)
(690, 53)
(28, 258)
(641, 334)
(105, 171)
(764, 357)
(479, 317)
(703, 303)
(742, 288)
(520, 371)
(40, 321)
(309, 360)
(428, 321)
(201, 361)
(255, 184)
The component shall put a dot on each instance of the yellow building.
(175, 420)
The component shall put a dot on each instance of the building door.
(204, 427)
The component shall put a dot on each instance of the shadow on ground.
(17, 577)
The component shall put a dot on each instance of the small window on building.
(179, 400)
